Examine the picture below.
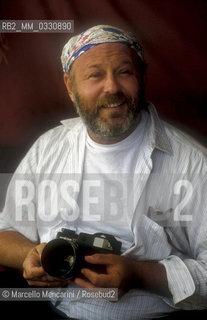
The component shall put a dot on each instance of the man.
(117, 169)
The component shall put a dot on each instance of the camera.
(63, 257)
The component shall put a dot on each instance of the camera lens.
(59, 257)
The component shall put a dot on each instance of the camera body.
(63, 257)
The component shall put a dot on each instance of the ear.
(69, 85)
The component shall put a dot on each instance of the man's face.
(106, 89)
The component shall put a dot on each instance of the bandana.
(94, 36)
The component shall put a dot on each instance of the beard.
(90, 114)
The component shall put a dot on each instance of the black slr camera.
(63, 257)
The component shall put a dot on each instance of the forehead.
(104, 54)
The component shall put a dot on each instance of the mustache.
(117, 98)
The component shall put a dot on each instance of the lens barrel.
(60, 258)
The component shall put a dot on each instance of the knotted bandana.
(94, 36)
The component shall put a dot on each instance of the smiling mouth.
(113, 105)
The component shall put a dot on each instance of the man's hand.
(34, 273)
(119, 271)
(124, 273)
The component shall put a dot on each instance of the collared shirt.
(166, 215)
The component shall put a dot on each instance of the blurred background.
(32, 94)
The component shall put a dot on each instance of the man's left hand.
(119, 272)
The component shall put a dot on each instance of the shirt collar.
(70, 123)
(158, 132)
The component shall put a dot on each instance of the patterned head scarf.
(94, 36)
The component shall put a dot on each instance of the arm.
(19, 253)
(14, 247)
(124, 273)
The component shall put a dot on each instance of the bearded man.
(117, 169)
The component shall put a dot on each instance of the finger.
(99, 258)
(38, 283)
(44, 284)
(83, 283)
(48, 279)
(98, 280)
(61, 282)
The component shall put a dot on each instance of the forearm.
(14, 247)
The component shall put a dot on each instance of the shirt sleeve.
(180, 281)
(187, 274)
(21, 204)
(19, 209)
(187, 282)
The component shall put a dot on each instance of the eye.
(95, 75)
(126, 71)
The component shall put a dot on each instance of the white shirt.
(168, 186)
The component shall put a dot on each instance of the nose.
(111, 85)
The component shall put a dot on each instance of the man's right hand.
(34, 273)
